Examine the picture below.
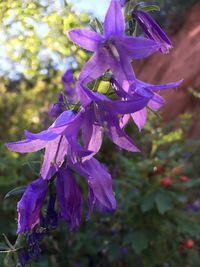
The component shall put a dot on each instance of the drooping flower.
(100, 185)
(29, 206)
(57, 146)
(152, 30)
(100, 115)
(143, 89)
(70, 198)
(113, 50)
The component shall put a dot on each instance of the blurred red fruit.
(166, 182)
(184, 179)
(158, 169)
(177, 170)
(189, 243)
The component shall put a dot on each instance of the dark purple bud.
(34, 241)
(56, 110)
(67, 78)
(51, 218)
(61, 98)
(30, 205)
(70, 198)
(23, 257)
(124, 251)
(152, 30)
(195, 206)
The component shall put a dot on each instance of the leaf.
(148, 203)
(15, 191)
(99, 25)
(139, 242)
(186, 225)
(163, 202)
(151, 8)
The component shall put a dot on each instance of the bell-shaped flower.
(57, 146)
(103, 114)
(70, 198)
(152, 30)
(113, 50)
(30, 205)
(100, 185)
(143, 89)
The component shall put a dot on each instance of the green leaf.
(15, 191)
(163, 202)
(139, 242)
(148, 203)
(99, 25)
(150, 8)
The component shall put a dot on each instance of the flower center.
(110, 46)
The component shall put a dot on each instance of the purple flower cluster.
(72, 141)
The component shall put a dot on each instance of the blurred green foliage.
(152, 222)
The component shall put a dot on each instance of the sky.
(97, 7)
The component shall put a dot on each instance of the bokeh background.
(153, 222)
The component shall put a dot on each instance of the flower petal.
(114, 20)
(54, 156)
(140, 118)
(124, 120)
(30, 205)
(156, 102)
(118, 136)
(159, 86)
(100, 185)
(86, 39)
(70, 198)
(92, 134)
(122, 70)
(95, 67)
(138, 47)
(26, 146)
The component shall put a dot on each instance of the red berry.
(166, 182)
(158, 169)
(189, 243)
(177, 170)
(184, 179)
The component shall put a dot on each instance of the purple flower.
(57, 146)
(124, 251)
(142, 89)
(152, 30)
(56, 110)
(70, 198)
(23, 257)
(51, 219)
(113, 50)
(30, 205)
(67, 78)
(70, 91)
(100, 185)
(195, 206)
(102, 114)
